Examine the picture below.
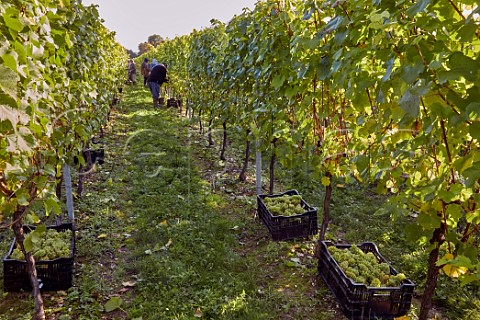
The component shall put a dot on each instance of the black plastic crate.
(172, 103)
(288, 227)
(359, 301)
(52, 275)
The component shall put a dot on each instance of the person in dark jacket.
(158, 76)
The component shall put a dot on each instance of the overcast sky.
(134, 21)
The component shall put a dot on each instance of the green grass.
(184, 249)
(167, 228)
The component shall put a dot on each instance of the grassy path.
(183, 248)
(164, 231)
(198, 252)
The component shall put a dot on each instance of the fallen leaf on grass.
(113, 304)
(129, 283)
(164, 223)
(108, 199)
(159, 247)
(294, 262)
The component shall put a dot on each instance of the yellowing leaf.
(101, 236)
(454, 271)
(326, 181)
(164, 223)
(448, 256)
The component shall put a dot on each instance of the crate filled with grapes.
(287, 215)
(365, 284)
(53, 251)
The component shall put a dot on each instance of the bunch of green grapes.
(285, 205)
(364, 267)
(51, 246)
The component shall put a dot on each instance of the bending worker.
(158, 76)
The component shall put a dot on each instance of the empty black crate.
(52, 275)
(357, 300)
(288, 227)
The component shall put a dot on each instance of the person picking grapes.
(158, 76)
(132, 71)
(145, 70)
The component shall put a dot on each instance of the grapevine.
(382, 91)
(60, 68)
